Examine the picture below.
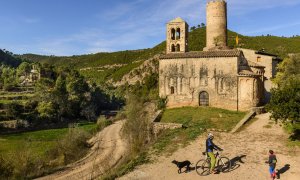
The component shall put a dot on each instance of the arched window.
(203, 99)
(177, 33)
(173, 33)
(173, 48)
(172, 90)
(177, 48)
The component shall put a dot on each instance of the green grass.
(197, 120)
(206, 117)
(293, 130)
(37, 141)
(7, 95)
(117, 75)
(96, 76)
(10, 101)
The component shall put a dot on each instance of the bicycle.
(223, 164)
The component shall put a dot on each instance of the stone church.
(235, 79)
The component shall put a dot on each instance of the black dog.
(180, 165)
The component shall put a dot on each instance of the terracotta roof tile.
(247, 73)
(203, 54)
(253, 64)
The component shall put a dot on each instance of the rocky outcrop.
(138, 74)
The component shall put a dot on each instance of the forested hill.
(273, 44)
(94, 66)
(7, 58)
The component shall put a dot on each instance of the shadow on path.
(236, 162)
(282, 170)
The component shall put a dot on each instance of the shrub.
(136, 128)
(120, 116)
(6, 169)
(26, 164)
(162, 102)
(102, 122)
(72, 146)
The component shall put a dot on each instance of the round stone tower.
(216, 25)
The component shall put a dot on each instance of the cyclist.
(210, 147)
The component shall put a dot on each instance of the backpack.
(274, 159)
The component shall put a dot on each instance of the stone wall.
(159, 127)
(14, 124)
(182, 81)
(250, 92)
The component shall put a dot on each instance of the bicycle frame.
(223, 164)
(217, 156)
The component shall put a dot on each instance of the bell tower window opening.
(177, 48)
(177, 33)
(173, 33)
(173, 48)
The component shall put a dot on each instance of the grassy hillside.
(93, 66)
(96, 66)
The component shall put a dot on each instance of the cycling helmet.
(210, 135)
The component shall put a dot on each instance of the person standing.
(272, 163)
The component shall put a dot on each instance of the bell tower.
(216, 25)
(177, 36)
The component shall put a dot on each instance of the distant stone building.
(236, 79)
(32, 77)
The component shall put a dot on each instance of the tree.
(14, 110)
(23, 69)
(46, 110)
(79, 95)
(43, 89)
(290, 67)
(8, 77)
(193, 28)
(285, 102)
(60, 97)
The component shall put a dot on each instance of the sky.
(74, 27)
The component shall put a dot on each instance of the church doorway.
(203, 99)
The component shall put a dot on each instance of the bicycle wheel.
(224, 164)
(203, 167)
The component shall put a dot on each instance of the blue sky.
(72, 27)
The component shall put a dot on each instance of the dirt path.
(252, 144)
(108, 149)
